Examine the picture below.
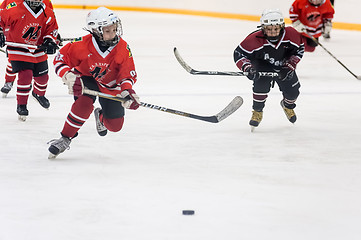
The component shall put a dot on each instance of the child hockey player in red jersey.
(38, 28)
(273, 48)
(100, 61)
(9, 75)
(312, 18)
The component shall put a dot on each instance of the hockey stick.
(196, 72)
(31, 48)
(324, 48)
(14, 44)
(70, 39)
(227, 111)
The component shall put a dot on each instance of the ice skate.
(256, 119)
(23, 112)
(43, 101)
(6, 88)
(290, 114)
(101, 129)
(58, 146)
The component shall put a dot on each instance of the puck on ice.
(188, 212)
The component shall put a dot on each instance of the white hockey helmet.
(34, 3)
(272, 17)
(103, 17)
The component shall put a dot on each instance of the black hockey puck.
(188, 212)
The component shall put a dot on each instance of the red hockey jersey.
(312, 16)
(31, 30)
(113, 69)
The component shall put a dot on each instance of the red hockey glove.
(74, 83)
(252, 73)
(132, 99)
(286, 72)
(78, 87)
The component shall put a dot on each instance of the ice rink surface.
(283, 181)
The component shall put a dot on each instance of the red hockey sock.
(9, 75)
(40, 84)
(79, 113)
(24, 86)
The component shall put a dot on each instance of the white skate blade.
(253, 128)
(4, 95)
(22, 118)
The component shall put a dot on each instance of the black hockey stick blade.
(196, 72)
(226, 112)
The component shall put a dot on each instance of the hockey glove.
(2, 38)
(326, 30)
(74, 83)
(132, 99)
(59, 40)
(49, 46)
(286, 72)
(252, 73)
(299, 26)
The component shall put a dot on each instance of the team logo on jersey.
(31, 32)
(10, 5)
(130, 52)
(313, 16)
(99, 70)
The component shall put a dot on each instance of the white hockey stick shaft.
(227, 111)
(14, 44)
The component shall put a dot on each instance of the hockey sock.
(40, 84)
(259, 100)
(24, 86)
(79, 113)
(9, 75)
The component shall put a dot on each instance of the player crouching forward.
(273, 48)
(100, 61)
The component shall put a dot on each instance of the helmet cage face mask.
(33, 3)
(316, 2)
(100, 18)
(272, 17)
(99, 34)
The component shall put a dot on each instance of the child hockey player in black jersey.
(273, 48)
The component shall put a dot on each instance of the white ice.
(283, 181)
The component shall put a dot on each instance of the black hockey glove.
(2, 38)
(252, 73)
(286, 72)
(59, 40)
(49, 46)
